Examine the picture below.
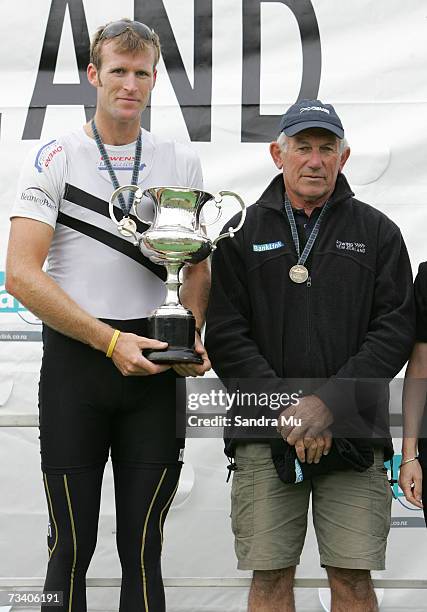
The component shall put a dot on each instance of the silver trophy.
(175, 238)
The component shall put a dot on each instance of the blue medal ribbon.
(125, 207)
(302, 257)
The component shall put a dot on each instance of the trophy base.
(171, 355)
(178, 331)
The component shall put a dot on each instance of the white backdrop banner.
(228, 71)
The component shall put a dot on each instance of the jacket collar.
(274, 195)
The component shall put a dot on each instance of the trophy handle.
(218, 214)
(137, 199)
(231, 230)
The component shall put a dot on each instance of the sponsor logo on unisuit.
(268, 246)
(38, 196)
(46, 153)
(121, 162)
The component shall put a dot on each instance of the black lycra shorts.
(87, 408)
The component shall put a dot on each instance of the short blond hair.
(282, 141)
(127, 41)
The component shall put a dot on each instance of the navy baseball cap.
(308, 114)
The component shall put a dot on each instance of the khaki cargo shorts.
(351, 514)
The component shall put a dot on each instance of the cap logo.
(317, 108)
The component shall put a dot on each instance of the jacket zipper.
(308, 320)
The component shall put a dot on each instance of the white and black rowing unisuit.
(65, 184)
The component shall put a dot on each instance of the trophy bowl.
(175, 237)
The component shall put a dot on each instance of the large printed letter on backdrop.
(263, 128)
(195, 102)
(46, 91)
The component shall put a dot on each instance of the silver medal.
(298, 273)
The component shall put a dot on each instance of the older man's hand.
(315, 418)
(313, 449)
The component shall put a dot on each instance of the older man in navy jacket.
(316, 285)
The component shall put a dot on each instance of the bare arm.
(414, 398)
(195, 295)
(195, 290)
(29, 242)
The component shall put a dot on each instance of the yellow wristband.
(113, 343)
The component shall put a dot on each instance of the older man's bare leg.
(351, 590)
(272, 591)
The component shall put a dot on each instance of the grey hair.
(283, 140)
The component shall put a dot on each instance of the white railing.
(19, 420)
(307, 583)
